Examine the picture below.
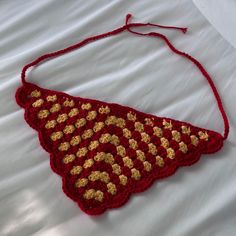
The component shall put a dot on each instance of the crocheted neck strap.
(128, 27)
(103, 151)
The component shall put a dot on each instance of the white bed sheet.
(221, 14)
(127, 69)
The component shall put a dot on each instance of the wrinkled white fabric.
(221, 14)
(128, 69)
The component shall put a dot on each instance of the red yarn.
(213, 143)
(127, 27)
(67, 126)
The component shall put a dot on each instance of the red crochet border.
(146, 184)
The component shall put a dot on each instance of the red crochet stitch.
(104, 151)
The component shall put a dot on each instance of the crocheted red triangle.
(104, 151)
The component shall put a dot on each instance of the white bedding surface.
(127, 69)
(221, 14)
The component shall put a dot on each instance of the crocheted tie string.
(103, 151)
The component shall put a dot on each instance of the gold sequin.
(115, 140)
(88, 163)
(50, 124)
(75, 140)
(128, 162)
(127, 133)
(167, 125)
(80, 123)
(203, 135)
(111, 188)
(64, 146)
(73, 112)
(55, 108)
(120, 122)
(138, 126)
(176, 135)
(91, 115)
(68, 103)
(159, 161)
(121, 151)
(131, 116)
(104, 110)
(148, 121)
(51, 98)
(164, 142)
(185, 130)
(81, 182)
(183, 147)
(157, 131)
(56, 135)
(116, 169)
(111, 120)
(133, 144)
(62, 118)
(147, 166)
(69, 129)
(36, 93)
(135, 174)
(123, 179)
(140, 155)
(105, 138)
(194, 140)
(98, 126)
(152, 148)
(38, 103)
(87, 134)
(68, 158)
(93, 145)
(76, 170)
(86, 106)
(43, 114)
(170, 153)
(82, 152)
(145, 137)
